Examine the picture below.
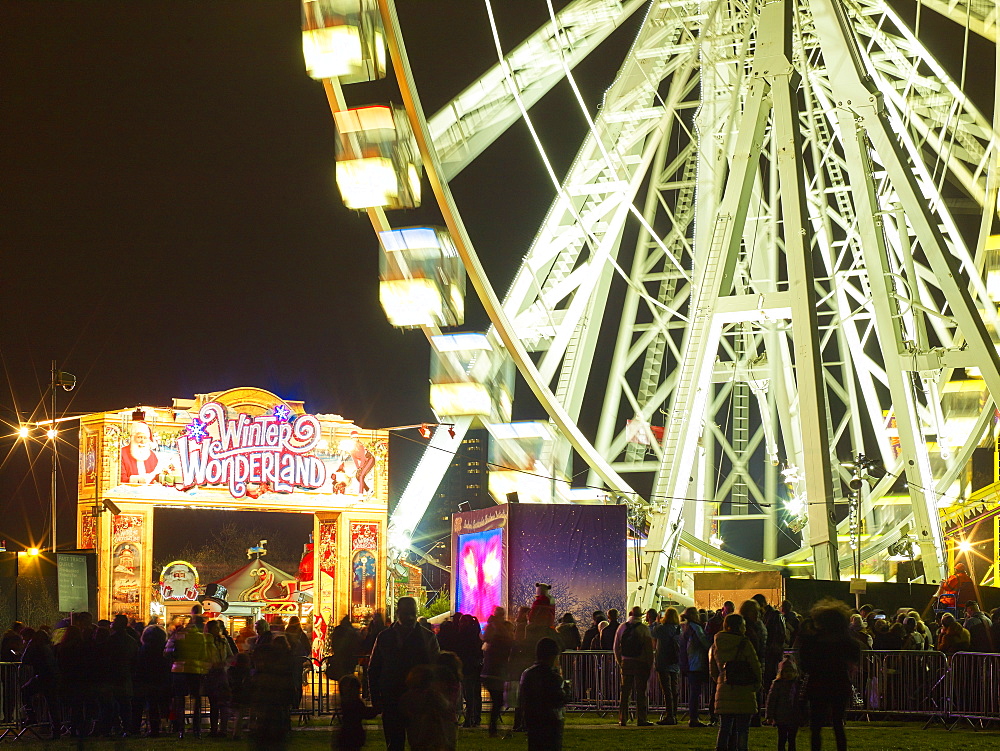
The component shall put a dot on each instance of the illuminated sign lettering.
(270, 450)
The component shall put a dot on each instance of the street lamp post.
(68, 383)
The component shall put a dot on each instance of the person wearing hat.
(957, 589)
(214, 602)
(569, 634)
(139, 462)
(543, 609)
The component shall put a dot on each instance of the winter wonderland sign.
(270, 452)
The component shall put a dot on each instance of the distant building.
(465, 481)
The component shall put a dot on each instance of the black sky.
(171, 224)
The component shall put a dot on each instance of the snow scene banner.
(579, 550)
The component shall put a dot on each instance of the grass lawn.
(591, 733)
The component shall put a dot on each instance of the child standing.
(352, 711)
(783, 704)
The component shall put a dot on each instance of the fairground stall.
(244, 449)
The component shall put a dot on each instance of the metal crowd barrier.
(911, 682)
(975, 686)
(10, 698)
(596, 682)
(903, 682)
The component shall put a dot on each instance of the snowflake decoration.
(282, 412)
(196, 431)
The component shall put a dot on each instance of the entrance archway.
(241, 449)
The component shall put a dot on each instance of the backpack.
(667, 650)
(631, 644)
(737, 671)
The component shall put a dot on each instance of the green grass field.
(591, 733)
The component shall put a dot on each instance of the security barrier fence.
(918, 683)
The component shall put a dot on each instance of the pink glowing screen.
(480, 573)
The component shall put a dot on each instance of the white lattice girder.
(979, 15)
(480, 114)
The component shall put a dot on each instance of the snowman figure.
(214, 602)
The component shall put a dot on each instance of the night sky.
(171, 225)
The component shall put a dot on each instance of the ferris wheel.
(761, 214)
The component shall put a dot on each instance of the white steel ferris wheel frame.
(797, 277)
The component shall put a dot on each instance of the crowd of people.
(420, 680)
(114, 678)
(735, 661)
(749, 665)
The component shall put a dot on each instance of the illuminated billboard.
(479, 573)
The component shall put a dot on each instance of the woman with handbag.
(828, 656)
(736, 670)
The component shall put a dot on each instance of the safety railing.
(920, 683)
(974, 686)
(903, 682)
(596, 683)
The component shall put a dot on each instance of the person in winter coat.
(756, 632)
(952, 637)
(590, 633)
(272, 690)
(979, 627)
(735, 695)
(216, 681)
(521, 622)
(398, 649)
(543, 698)
(499, 644)
(783, 707)
(914, 639)
(859, 631)
(569, 634)
(38, 665)
(301, 646)
(595, 644)
(633, 648)
(353, 712)
(470, 651)
(150, 681)
(666, 660)
(345, 646)
(187, 649)
(828, 655)
(123, 646)
(429, 705)
(74, 685)
(694, 662)
(774, 638)
(608, 635)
